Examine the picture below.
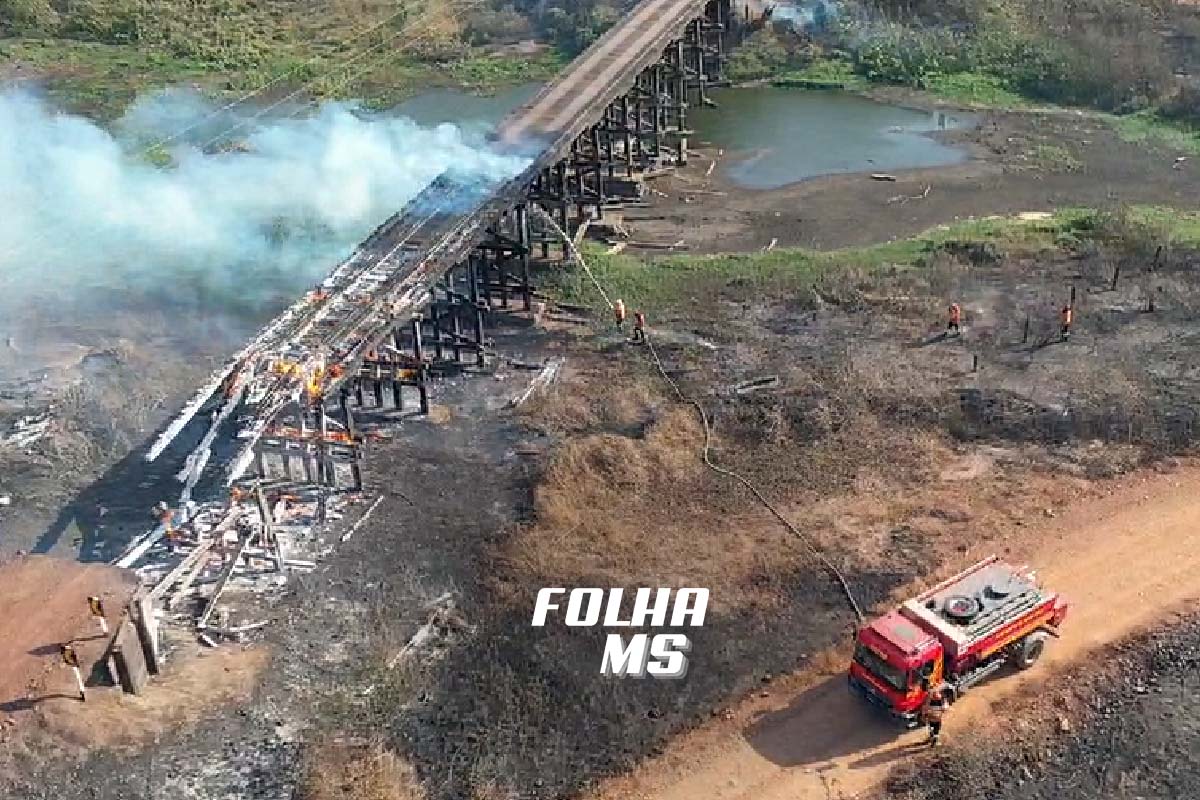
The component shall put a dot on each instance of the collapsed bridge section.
(414, 299)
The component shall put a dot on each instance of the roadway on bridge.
(603, 72)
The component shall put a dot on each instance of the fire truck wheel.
(1031, 649)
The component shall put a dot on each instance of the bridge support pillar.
(524, 241)
(422, 370)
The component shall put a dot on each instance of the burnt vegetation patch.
(1133, 735)
(841, 398)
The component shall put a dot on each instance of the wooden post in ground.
(71, 659)
(96, 606)
(142, 611)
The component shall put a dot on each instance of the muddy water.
(773, 137)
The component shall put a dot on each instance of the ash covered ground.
(1128, 729)
(864, 436)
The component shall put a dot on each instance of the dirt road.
(1125, 562)
(45, 605)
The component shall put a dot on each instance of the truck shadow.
(824, 723)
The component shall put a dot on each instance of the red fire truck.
(953, 636)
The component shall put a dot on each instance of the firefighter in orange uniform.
(954, 325)
(932, 714)
(1067, 318)
(639, 327)
(619, 313)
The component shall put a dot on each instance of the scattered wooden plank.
(223, 581)
(679, 245)
(186, 584)
(568, 318)
(582, 232)
(181, 569)
(426, 632)
(758, 384)
(359, 523)
(237, 630)
(540, 381)
(269, 536)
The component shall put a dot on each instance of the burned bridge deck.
(279, 420)
(316, 343)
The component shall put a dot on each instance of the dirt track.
(45, 605)
(1124, 562)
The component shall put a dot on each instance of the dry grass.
(644, 511)
(602, 398)
(338, 771)
(620, 509)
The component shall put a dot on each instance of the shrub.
(106, 21)
(573, 26)
(761, 55)
(504, 24)
(1183, 106)
(24, 16)
(896, 54)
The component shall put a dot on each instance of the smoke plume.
(244, 215)
(807, 15)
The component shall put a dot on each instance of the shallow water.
(773, 137)
(438, 106)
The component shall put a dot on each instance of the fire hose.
(706, 452)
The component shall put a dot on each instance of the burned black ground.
(1135, 735)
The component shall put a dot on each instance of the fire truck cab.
(953, 636)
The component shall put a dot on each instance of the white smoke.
(807, 15)
(85, 218)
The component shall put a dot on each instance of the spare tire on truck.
(1030, 649)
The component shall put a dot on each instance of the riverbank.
(100, 81)
(1019, 161)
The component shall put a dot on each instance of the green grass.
(100, 80)
(1148, 126)
(1181, 228)
(671, 282)
(975, 89)
(1054, 158)
(487, 72)
(981, 90)
(830, 72)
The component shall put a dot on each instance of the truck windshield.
(894, 676)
